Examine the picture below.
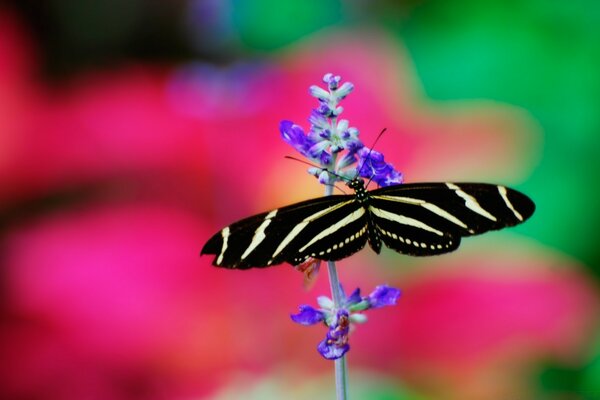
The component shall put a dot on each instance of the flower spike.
(329, 136)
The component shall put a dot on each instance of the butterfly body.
(419, 219)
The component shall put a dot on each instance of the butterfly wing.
(419, 219)
(423, 219)
(327, 228)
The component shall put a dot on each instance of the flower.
(338, 319)
(383, 296)
(335, 344)
(332, 144)
(294, 135)
(373, 167)
(308, 316)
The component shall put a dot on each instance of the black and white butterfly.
(418, 219)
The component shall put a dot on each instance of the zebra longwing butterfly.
(418, 219)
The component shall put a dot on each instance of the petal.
(395, 178)
(358, 318)
(366, 171)
(325, 158)
(388, 176)
(332, 351)
(308, 316)
(346, 161)
(314, 171)
(353, 132)
(354, 145)
(342, 125)
(383, 296)
(325, 134)
(341, 326)
(371, 156)
(294, 135)
(319, 93)
(344, 90)
(331, 80)
(325, 110)
(354, 297)
(324, 177)
(318, 120)
(327, 77)
(325, 302)
(318, 148)
(336, 148)
(375, 168)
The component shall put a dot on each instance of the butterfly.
(418, 219)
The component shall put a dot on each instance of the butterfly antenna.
(316, 166)
(378, 137)
(369, 181)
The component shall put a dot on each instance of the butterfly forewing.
(284, 234)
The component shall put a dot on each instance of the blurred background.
(131, 131)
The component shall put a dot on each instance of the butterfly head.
(356, 184)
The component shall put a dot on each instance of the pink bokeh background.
(112, 181)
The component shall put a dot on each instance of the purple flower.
(338, 319)
(317, 149)
(335, 344)
(354, 298)
(332, 81)
(374, 167)
(344, 90)
(308, 316)
(318, 123)
(383, 296)
(294, 135)
(328, 136)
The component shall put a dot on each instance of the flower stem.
(341, 372)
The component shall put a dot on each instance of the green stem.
(341, 371)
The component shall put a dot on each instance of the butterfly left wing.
(423, 219)
(327, 228)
